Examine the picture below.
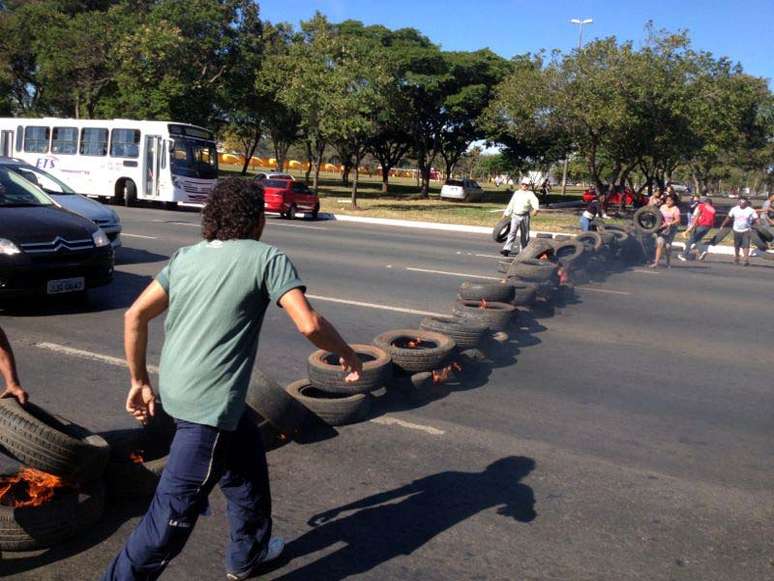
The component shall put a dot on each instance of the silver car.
(63, 195)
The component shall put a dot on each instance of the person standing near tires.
(743, 217)
(8, 371)
(664, 237)
(216, 293)
(701, 223)
(766, 215)
(523, 205)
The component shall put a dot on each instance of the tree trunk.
(346, 169)
(309, 164)
(354, 182)
(249, 149)
(385, 179)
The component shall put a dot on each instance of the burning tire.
(326, 374)
(333, 408)
(524, 293)
(65, 515)
(592, 241)
(51, 444)
(488, 291)
(416, 349)
(568, 251)
(501, 229)
(648, 220)
(535, 249)
(497, 316)
(533, 270)
(467, 334)
(270, 400)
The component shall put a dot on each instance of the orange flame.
(564, 276)
(414, 343)
(483, 304)
(442, 375)
(29, 487)
(136, 457)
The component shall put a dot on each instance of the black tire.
(291, 213)
(613, 228)
(497, 316)
(467, 334)
(489, 291)
(648, 220)
(764, 234)
(129, 480)
(314, 214)
(270, 400)
(38, 527)
(533, 270)
(326, 374)
(334, 409)
(130, 193)
(544, 236)
(534, 249)
(504, 265)
(524, 293)
(720, 235)
(758, 242)
(591, 240)
(51, 444)
(502, 229)
(568, 251)
(620, 236)
(435, 349)
(768, 255)
(562, 237)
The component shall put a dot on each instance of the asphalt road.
(625, 434)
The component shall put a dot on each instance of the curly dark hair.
(233, 211)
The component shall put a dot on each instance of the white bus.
(123, 159)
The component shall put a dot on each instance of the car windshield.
(43, 180)
(194, 158)
(275, 183)
(15, 191)
(453, 183)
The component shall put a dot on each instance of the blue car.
(64, 196)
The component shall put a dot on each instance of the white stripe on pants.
(519, 223)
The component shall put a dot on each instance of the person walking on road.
(523, 205)
(701, 222)
(216, 293)
(8, 371)
(743, 217)
(665, 236)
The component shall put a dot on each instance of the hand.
(352, 365)
(15, 391)
(322, 518)
(141, 402)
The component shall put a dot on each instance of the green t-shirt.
(218, 294)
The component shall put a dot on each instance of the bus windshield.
(194, 158)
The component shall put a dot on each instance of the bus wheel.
(170, 205)
(130, 193)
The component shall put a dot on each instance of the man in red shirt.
(702, 221)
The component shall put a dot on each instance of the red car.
(286, 198)
(632, 198)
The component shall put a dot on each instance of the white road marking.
(641, 271)
(139, 236)
(603, 290)
(390, 421)
(430, 271)
(375, 306)
(178, 223)
(109, 359)
(297, 226)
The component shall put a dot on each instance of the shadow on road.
(400, 521)
(137, 256)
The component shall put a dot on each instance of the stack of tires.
(416, 353)
(486, 304)
(56, 446)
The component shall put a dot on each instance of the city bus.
(120, 159)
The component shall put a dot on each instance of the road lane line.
(603, 290)
(139, 236)
(645, 271)
(109, 359)
(297, 226)
(447, 273)
(390, 421)
(375, 306)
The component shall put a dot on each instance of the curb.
(721, 250)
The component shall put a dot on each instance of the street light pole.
(580, 22)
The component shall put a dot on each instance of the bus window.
(64, 140)
(19, 135)
(94, 141)
(36, 139)
(125, 143)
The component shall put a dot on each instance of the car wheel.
(291, 213)
(314, 213)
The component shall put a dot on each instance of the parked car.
(465, 190)
(632, 198)
(45, 249)
(63, 195)
(286, 198)
(273, 176)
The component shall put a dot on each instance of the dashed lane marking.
(495, 256)
(109, 359)
(447, 273)
(603, 290)
(139, 236)
(390, 421)
(272, 223)
(641, 271)
(375, 306)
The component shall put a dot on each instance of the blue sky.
(741, 30)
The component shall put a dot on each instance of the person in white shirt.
(744, 217)
(523, 205)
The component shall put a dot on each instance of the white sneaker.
(273, 550)
(703, 255)
(681, 257)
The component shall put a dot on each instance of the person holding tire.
(523, 205)
(666, 235)
(8, 371)
(216, 293)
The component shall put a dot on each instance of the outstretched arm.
(141, 401)
(13, 386)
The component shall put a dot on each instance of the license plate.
(65, 285)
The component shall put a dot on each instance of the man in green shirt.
(216, 293)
